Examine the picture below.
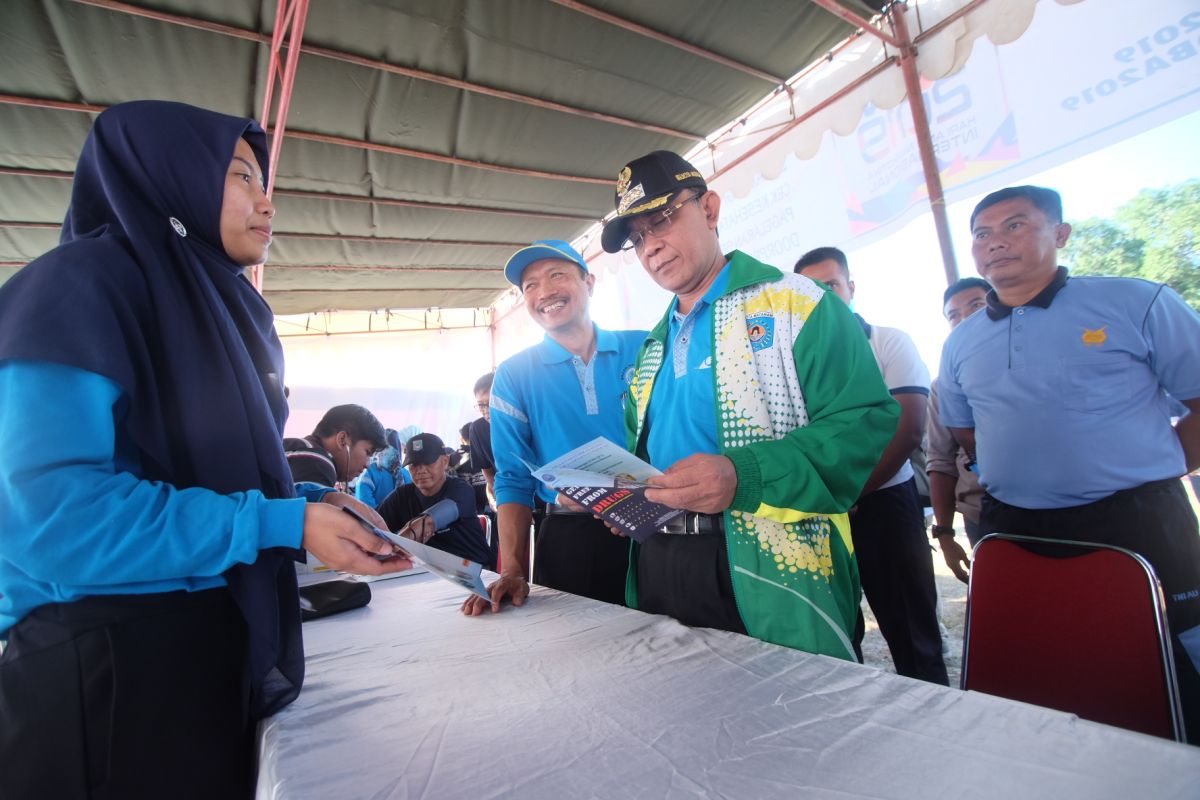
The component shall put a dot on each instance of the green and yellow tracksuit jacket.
(804, 415)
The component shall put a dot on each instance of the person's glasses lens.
(658, 227)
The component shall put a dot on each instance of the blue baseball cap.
(542, 248)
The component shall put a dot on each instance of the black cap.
(424, 448)
(647, 184)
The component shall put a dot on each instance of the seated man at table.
(427, 460)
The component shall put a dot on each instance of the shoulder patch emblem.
(1095, 337)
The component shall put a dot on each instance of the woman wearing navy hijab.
(149, 523)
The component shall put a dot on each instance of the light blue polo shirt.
(546, 402)
(680, 419)
(1068, 395)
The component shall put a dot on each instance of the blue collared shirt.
(1071, 394)
(679, 421)
(546, 402)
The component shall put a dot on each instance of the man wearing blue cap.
(545, 401)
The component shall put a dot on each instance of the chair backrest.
(1073, 626)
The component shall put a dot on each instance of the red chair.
(1072, 626)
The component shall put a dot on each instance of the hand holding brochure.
(611, 483)
(457, 570)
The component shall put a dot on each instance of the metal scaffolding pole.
(916, 104)
(289, 23)
(933, 178)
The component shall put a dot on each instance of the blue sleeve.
(512, 439)
(1173, 331)
(365, 488)
(407, 477)
(952, 402)
(313, 492)
(75, 513)
(464, 497)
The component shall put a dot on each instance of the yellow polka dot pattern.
(795, 548)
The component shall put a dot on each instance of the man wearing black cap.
(758, 395)
(427, 459)
(546, 401)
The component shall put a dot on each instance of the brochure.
(611, 483)
(461, 571)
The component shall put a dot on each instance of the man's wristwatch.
(941, 530)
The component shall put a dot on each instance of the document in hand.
(458, 570)
(610, 482)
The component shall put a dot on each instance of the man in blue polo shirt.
(1063, 392)
(545, 401)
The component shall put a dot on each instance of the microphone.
(444, 513)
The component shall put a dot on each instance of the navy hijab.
(140, 290)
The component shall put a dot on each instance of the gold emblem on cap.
(650, 205)
(630, 197)
(623, 178)
(685, 175)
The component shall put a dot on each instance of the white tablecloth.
(570, 698)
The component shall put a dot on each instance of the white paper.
(597, 463)
(458, 570)
(610, 482)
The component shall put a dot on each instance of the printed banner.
(1081, 77)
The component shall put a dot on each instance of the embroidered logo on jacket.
(761, 330)
(1095, 337)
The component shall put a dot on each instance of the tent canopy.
(426, 140)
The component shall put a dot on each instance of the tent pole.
(916, 104)
(849, 16)
(289, 14)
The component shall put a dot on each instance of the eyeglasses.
(659, 224)
(482, 406)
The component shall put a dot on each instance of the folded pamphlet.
(462, 571)
(610, 482)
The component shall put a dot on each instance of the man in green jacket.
(759, 397)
